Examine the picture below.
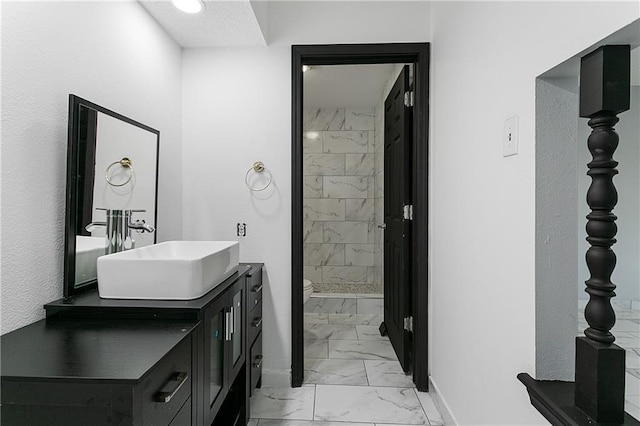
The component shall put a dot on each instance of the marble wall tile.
(358, 254)
(371, 142)
(312, 186)
(323, 254)
(372, 227)
(346, 142)
(323, 119)
(378, 209)
(359, 119)
(371, 187)
(323, 209)
(345, 274)
(346, 232)
(345, 187)
(379, 185)
(325, 305)
(323, 164)
(371, 274)
(369, 306)
(312, 232)
(359, 209)
(359, 164)
(313, 273)
(312, 142)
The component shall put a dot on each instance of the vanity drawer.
(254, 288)
(183, 418)
(255, 323)
(168, 386)
(256, 363)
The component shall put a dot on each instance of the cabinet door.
(238, 344)
(216, 329)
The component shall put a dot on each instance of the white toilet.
(307, 290)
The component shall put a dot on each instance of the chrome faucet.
(118, 228)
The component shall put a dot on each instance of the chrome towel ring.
(258, 167)
(126, 163)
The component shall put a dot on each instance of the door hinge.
(408, 99)
(407, 212)
(408, 324)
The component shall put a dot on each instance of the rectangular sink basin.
(88, 250)
(173, 270)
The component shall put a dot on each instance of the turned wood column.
(604, 93)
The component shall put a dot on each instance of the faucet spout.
(93, 225)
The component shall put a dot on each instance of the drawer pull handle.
(258, 362)
(181, 378)
(228, 320)
(257, 323)
(257, 289)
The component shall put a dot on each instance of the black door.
(397, 201)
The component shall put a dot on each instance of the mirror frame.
(72, 196)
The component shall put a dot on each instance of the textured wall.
(339, 191)
(111, 53)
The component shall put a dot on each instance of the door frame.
(362, 54)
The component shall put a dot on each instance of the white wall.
(485, 59)
(236, 110)
(111, 53)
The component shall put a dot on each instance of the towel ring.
(258, 167)
(125, 162)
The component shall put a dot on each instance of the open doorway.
(412, 334)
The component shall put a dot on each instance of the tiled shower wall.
(339, 190)
(378, 174)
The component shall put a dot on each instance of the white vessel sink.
(88, 250)
(173, 270)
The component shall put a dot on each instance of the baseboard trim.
(276, 378)
(447, 416)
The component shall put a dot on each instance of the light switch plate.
(510, 138)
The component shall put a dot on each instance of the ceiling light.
(305, 68)
(189, 6)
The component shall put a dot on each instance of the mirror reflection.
(111, 189)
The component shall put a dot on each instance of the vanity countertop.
(91, 350)
(92, 304)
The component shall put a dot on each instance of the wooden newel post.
(600, 365)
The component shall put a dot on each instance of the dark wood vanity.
(138, 362)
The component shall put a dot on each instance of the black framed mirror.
(112, 178)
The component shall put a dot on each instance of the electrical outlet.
(510, 138)
(242, 229)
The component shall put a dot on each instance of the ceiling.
(355, 86)
(221, 23)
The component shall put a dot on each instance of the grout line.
(366, 373)
(315, 399)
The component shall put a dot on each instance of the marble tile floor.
(627, 332)
(352, 377)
